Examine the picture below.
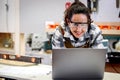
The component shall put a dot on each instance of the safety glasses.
(78, 24)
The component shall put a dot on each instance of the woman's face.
(78, 24)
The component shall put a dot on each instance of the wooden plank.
(15, 63)
(108, 23)
(30, 59)
(116, 67)
(108, 68)
(112, 67)
(111, 32)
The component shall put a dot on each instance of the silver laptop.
(78, 63)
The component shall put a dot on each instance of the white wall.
(3, 17)
(7, 17)
(12, 16)
(34, 13)
(107, 11)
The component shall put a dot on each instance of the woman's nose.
(79, 28)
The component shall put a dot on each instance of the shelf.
(108, 23)
(7, 50)
(111, 32)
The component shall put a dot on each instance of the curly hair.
(76, 8)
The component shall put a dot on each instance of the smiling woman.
(77, 30)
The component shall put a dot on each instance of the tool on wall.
(119, 15)
(7, 10)
(89, 5)
(67, 5)
(117, 6)
(95, 5)
(92, 5)
(117, 3)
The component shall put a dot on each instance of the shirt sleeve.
(57, 40)
(97, 37)
(98, 42)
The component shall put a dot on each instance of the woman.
(77, 30)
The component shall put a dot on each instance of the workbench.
(43, 72)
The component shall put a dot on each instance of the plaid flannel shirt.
(58, 38)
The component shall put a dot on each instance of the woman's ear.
(68, 21)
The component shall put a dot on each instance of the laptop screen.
(78, 63)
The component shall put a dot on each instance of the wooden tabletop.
(112, 67)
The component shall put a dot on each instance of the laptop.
(78, 64)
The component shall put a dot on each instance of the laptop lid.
(78, 63)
